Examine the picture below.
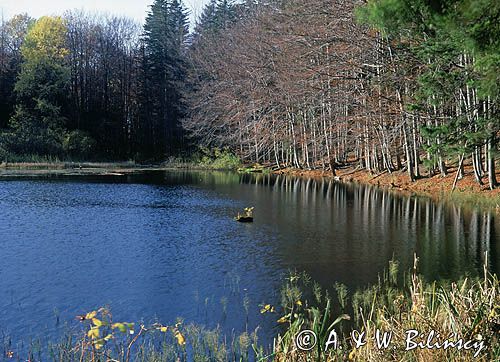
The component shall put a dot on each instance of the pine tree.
(206, 22)
(216, 16)
(165, 34)
(224, 14)
(456, 44)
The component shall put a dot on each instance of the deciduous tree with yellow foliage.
(41, 90)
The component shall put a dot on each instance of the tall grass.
(468, 309)
(474, 199)
(398, 302)
(33, 158)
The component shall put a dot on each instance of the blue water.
(164, 245)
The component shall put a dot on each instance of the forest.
(386, 85)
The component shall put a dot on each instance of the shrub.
(219, 159)
(78, 144)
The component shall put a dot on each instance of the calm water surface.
(163, 245)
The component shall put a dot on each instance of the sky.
(135, 9)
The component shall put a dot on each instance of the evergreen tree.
(217, 15)
(165, 34)
(224, 14)
(206, 21)
(457, 45)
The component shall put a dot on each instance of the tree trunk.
(476, 165)
(409, 161)
(333, 167)
(492, 179)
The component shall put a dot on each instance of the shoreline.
(438, 188)
(45, 169)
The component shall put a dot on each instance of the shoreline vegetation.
(467, 191)
(455, 321)
(440, 188)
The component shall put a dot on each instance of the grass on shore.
(468, 310)
(467, 193)
(216, 159)
(486, 200)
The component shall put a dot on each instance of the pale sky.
(135, 9)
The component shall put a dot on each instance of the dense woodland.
(94, 86)
(388, 85)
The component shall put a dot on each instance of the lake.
(162, 245)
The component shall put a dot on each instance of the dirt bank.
(436, 187)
